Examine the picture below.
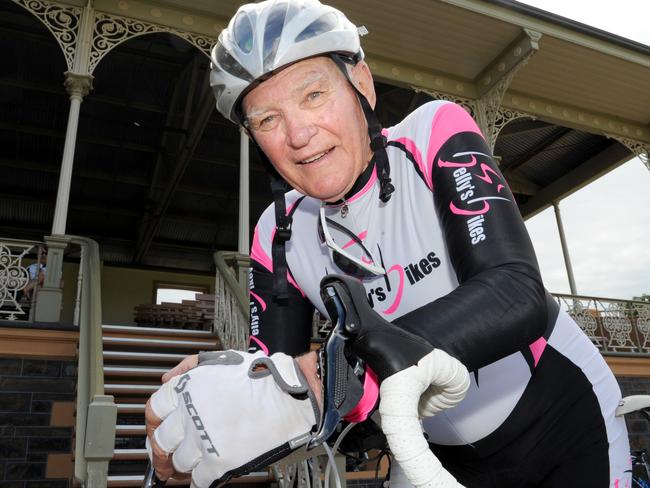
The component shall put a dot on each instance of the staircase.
(134, 360)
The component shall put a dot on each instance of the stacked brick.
(36, 422)
(638, 427)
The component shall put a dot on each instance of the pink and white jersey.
(460, 272)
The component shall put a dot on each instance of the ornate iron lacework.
(466, 103)
(111, 30)
(642, 315)
(617, 326)
(501, 116)
(62, 21)
(639, 149)
(490, 116)
(13, 278)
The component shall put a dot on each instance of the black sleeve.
(500, 304)
(277, 326)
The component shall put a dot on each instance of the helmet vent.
(325, 23)
(243, 32)
(273, 33)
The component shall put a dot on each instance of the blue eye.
(267, 121)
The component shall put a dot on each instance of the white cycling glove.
(235, 413)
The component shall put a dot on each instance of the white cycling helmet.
(264, 37)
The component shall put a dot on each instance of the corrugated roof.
(130, 146)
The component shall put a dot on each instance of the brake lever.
(332, 360)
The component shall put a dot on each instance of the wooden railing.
(96, 412)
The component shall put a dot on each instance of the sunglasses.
(349, 264)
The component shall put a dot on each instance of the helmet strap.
(378, 141)
(282, 229)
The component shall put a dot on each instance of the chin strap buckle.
(283, 232)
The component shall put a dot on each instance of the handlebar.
(150, 478)
(400, 392)
(403, 386)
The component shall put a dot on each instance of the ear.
(363, 81)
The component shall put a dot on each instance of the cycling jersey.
(461, 273)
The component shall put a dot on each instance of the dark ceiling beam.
(60, 134)
(28, 232)
(190, 70)
(414, 102)
(536, 149)
(58, 89)
(36, 233)
(518, 183)
(101, 141)
(24, 32)
(595, 167)
(523, 127)
(164, 138)
(210, 191)
(205, 108)
(227, 163)
(101, 207)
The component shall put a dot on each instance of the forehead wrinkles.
(310, 78)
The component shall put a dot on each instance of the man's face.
(308, 121)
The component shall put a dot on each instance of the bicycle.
(640, 457)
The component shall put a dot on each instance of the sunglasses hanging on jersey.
(347, 263)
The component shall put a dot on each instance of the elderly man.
(421, 215)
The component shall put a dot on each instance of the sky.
(606, 223)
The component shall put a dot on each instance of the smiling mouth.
(316, 158)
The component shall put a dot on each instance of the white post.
(243, 241)
(243, 244)
(78, 82)
(78, 87)
(565, 249)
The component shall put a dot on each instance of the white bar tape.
(446, 380)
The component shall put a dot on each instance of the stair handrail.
(232, 311)
(96, 412)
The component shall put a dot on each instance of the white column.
(243, 245)
(244, 194)
(78, 87)
(565, 249)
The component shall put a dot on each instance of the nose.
(300, 128)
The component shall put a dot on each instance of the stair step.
(130, 329)
(130, 408)
(112, 388)
(129, 454)
(150, 342)
(134, 371)
(124, 430)
(134, 360)
(136, 480)
(144, 356)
